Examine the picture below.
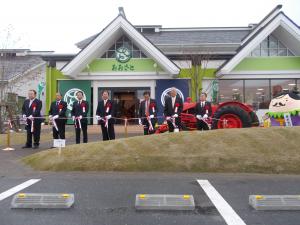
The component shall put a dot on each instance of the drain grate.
(164, 202)
(275, 202)
(42, 200)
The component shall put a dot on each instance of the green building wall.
(269, 63)
(52, 75)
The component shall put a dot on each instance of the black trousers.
(177, 123)
(60, 134)
(201, 125)
(36, 133)
(108, 133)
(146, 126)
(84, 132)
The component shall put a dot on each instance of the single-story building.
(247, 64)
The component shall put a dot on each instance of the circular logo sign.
(166, 93)
(123, 54)
(70, 97)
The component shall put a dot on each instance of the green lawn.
(255, 150)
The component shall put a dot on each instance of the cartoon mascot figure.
(286, 103)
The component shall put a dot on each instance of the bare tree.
(197, 70)
(7, 67)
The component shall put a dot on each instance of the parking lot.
(108, 198)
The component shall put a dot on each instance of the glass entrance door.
(126, 100)
(125, 103)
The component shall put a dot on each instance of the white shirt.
(202, 104)
(173, 101)
(105, 102)
(31, 101)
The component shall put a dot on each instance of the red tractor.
(224, 115)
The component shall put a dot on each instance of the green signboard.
(68, 89)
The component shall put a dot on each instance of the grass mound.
(253, 150)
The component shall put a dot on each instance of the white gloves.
(151, 116)
(98, 117)
(175, 115)
(80, 117)
(55, 117)
(199, 117)
(140, 122)
(168, 118)
(205, 116)
(73, 118)
(30, 117)
(24, 116)
(108, 117)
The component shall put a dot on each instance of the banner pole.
(8, 148)
(125, 127)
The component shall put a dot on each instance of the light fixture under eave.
(260, 89)
(292, 84)
(235, 89)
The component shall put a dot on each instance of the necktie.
(57, 103)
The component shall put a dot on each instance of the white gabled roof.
(119, 26)
(291, 32)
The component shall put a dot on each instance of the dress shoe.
(26, 146)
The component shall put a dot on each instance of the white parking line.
(18, 188)
(226, 211)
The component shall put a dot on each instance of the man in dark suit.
(57, 114)
(202, 112)
(172, 110)
(147, 113)
(79, 113)
(31, 109)
(105, 113)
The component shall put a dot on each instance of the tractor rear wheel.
(230, 117)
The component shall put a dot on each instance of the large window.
(127, 43)
(256, 93)
(282, 85)
(271, 46)
(231, 90)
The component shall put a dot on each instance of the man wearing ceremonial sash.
(105, 114)
(79, 114)
(57, 115)
(172, 110)
(202, 112)
(148, 114)
(31, 109)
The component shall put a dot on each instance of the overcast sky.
(58, 24)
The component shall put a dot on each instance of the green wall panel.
(268, 63)
(112, 65)
(52, 75)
